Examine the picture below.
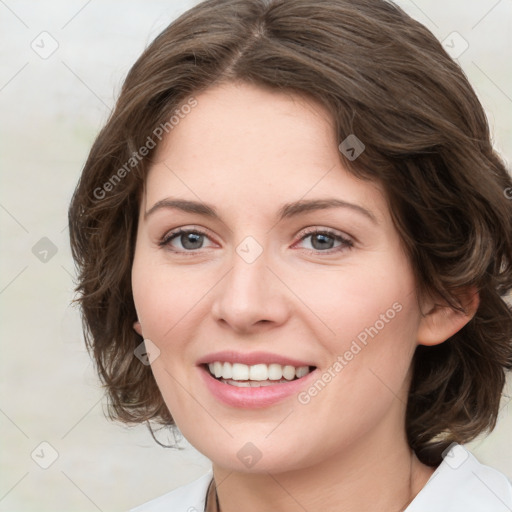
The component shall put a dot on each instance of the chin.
(255, 454)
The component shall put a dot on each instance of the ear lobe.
(441, 322)
(137, 328)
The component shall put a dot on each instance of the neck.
(359, 479)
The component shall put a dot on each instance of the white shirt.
(459, 484)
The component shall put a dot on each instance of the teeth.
(217, 369)
(275, 371)
(227, 371)
(301, 371)
(258, 372)
(255, 374)
(289, 372)
(240, 372)
(252, 383)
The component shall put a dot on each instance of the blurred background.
(62, 64)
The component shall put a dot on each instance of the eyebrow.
(285, 212)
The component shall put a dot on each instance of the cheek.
(163, 299)
(374, 348)
(361, 302)
(165, 305)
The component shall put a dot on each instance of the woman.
(294, 243)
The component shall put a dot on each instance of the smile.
(258, 375)
(256, 379)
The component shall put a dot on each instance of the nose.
(250, 297)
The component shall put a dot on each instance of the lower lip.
(248, 397)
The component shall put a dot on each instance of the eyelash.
(345, 243)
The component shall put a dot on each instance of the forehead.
(238, 122)
(244, 144)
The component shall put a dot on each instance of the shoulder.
(462, 484)
(189, 498)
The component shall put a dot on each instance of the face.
(261, 259)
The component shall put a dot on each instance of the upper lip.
(251, 358)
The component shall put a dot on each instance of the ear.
(137, 327)
(441, 321)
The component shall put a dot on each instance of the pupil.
(192, 240)
(326, 242)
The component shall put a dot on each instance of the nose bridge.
(246, 279)
(248, 294)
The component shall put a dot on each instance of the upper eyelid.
(186, 229)
(304, 233)
(173, 233)
(329, 231)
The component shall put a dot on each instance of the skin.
(247, 151)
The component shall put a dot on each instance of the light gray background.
(50, 112)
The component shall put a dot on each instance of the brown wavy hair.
(385, 78)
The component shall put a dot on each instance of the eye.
(324, 240)
(184, 240)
